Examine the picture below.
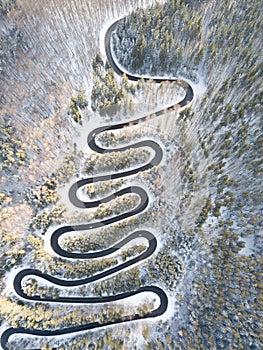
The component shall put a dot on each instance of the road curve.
(73, 195)
(188, 89)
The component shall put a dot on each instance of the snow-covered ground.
(249, 245)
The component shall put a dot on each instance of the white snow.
(249, 245)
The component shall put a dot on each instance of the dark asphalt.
(152, 243)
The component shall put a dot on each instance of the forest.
(205, 197)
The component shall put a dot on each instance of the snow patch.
(249, 245)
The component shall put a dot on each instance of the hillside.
(216, 44)
(174, 190)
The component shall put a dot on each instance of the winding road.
(73, 195)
